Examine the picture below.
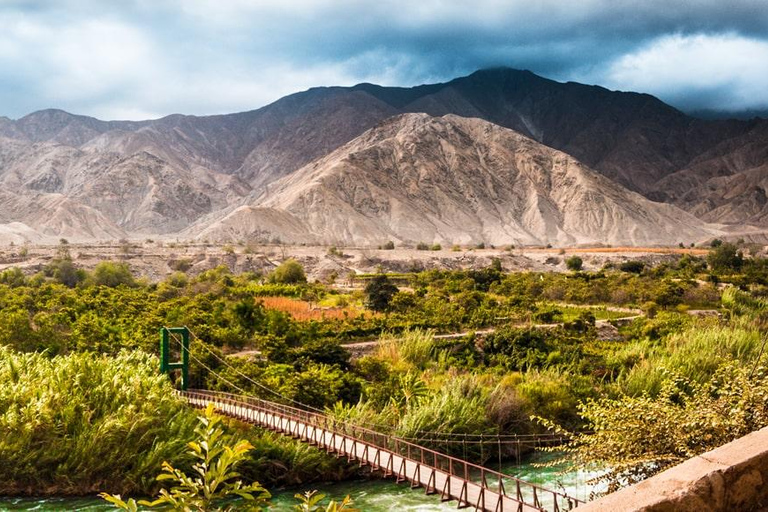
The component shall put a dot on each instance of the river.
(368, 495)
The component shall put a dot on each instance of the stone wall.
(731, 478)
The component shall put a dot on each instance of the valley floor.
(155, 260)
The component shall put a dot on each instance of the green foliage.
(458, 408)
(555, 395)
(278, 460)
(574, 263)
(695, 353)
(80, 423)
(502, 378)
(422, 246)
(214, 484)
(310, 502)
(389, 246)
(414, 347)
(636, 437)
(725, 257)
(65, 272)
(112, 274)
(379, 292)
(288, 272)
(548, 315)
(181, 265)
(13, 277)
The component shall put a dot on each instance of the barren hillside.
(452, 180)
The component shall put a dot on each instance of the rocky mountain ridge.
(451, 180)
(164, 176)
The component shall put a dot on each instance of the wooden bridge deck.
(449, 477)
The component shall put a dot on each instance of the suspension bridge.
(449, 477)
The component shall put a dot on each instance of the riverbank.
(368, 495)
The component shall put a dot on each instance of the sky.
(140, 59)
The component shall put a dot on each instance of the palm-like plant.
(310, 502)
(213, 484)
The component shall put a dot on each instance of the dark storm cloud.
(150, 57)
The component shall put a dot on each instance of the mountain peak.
(52, 114)
(453, 179)
(200, 166)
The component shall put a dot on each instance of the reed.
(80, 423)
(415, 347)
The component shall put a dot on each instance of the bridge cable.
(514, 437)
(246, 394)
(374, 426)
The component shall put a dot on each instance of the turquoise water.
(368, 495)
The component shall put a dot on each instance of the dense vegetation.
(542, 364)
(81, 422)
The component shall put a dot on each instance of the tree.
(379, 291)
(112, 274)
(65, 272)
(574, 263)
(289, 272)
(725, 257)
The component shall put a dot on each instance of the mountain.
(452, 180)
(727, 184)
(162, 176)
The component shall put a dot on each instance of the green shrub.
(725, 257)
(574, 263)
(413, 346)
(548, 315)
(181, 265)
(694, 353)
(13, 277)
(288, 272)
(213, 486)
(458, 408)
(638, 436)
(112, 274)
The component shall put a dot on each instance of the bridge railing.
(506, 485)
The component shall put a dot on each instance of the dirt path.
(604, 327)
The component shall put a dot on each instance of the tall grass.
(83, 423)
(415, 347)
(695, 353)
(458, 408)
